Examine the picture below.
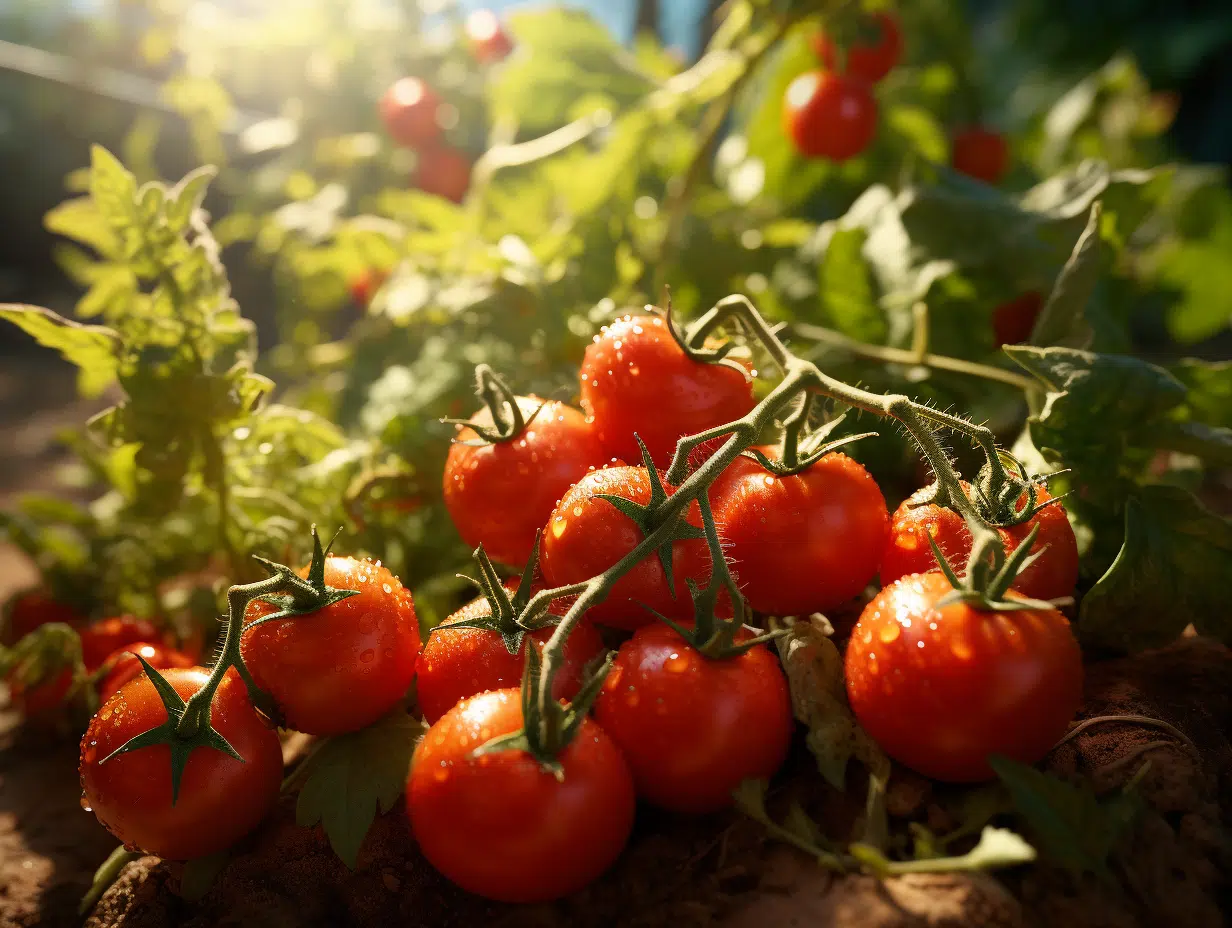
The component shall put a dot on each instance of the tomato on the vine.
(34, 608)
(868, 61)
(341, 667)
(635, 378)
(690, 727)
(1053, 574)
(828, 115)
(802, 543)
(501, 826)
(1014, 320)
(982, 154)
(125, 666)
(220, 798)
(444, 172)
(101, 639)
(487, 38)
(500, 494)
(42, 697)
(408, 109)
(941, 688)
(460, 662)
(587, 534)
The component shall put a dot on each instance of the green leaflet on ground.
(1072, 827)
(93, 348)
(1171, 571)
(354, 775)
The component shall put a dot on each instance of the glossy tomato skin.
(827, 115)
(868, 61)
(804, 543)
(692, 728)
(33, 609)
(488, 39)
(460, 662)
(1053, 575)
(982, 154)
(100, 640)
(408, 109)
(942, 688)
(1014, 320)
(500, 826)
(444, 172)
(125, 666)
(340, 668)
(44, 697)
(586, 535)
(636, 379)
(500, 495)
(221, 799)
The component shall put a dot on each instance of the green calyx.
(990, 574)
(508, 422)
(698, 352)
(300, 596)
(505, 611)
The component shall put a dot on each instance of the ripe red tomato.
(364, 285)
(488, 39)
(1053, 575)
(635, 378)
(500, 495)
(1014, 320)
(982, 154)
(460, 662)
(501, 826)
(444, 172)
(690, 727)
(125, 666)
(586, 535)
(32, 609)
(827, 115)
(44, 696)
(408, 110)
(942, 688)
(805, 543)
(340, 668)
(220, 800)
(101, 639)
(868, 61)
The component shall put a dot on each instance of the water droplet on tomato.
(559, 526)
(104, 713)
(961, 649)
(889, 632)
(577, 511)
(919, 644)
(367, 656)
(85, 803)
(675, 663)
(387, 588)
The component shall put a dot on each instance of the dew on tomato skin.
(919, 644)
(676, 663)
(388, 652)
(961, 649)
(559, 525)
(932, 626)
(85, 803)
(104, 713)
(889, 632)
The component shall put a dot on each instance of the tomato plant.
(942, 686)
(981, 153)
(691, 727)
(499, 824)
(867, 60)
(342, 666)
(125, 666)
(99, 640)
(829, 115)
(801, 542)
(1053, 574)
(637, 381)
(409, 111)
(219, 797)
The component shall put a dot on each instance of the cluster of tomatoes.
(831, 112)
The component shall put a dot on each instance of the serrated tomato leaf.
(93, 348)
(1171, 571)
(353, 776)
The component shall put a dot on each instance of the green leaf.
(91, 347)
(921, 130)
(81, 220)
(354, 775)
(815, 675)
(1209, 385)
(846, 288)
(1072, 827)
(1172, 571)
(113, 189)
(110, 292)
(1063, 319)
(186, 197)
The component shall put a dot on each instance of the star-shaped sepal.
(302, 597)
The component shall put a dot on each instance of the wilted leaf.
(997, 847)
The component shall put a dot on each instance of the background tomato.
(125, 666)
(500, 495)
(1054, 573)
(1014, 320)
(692, 728)
(501, 826)
(408, 110)
(42, 697)
(869, 60)
(220, 800)
(586, 535)
(487, 37)
(27, 611)
(636, 379)
(340, 668)
(443, 171)
(942, 688)
(805, 543)
(460, 662)
(981, 153)
(99, 640)
(827, 115)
